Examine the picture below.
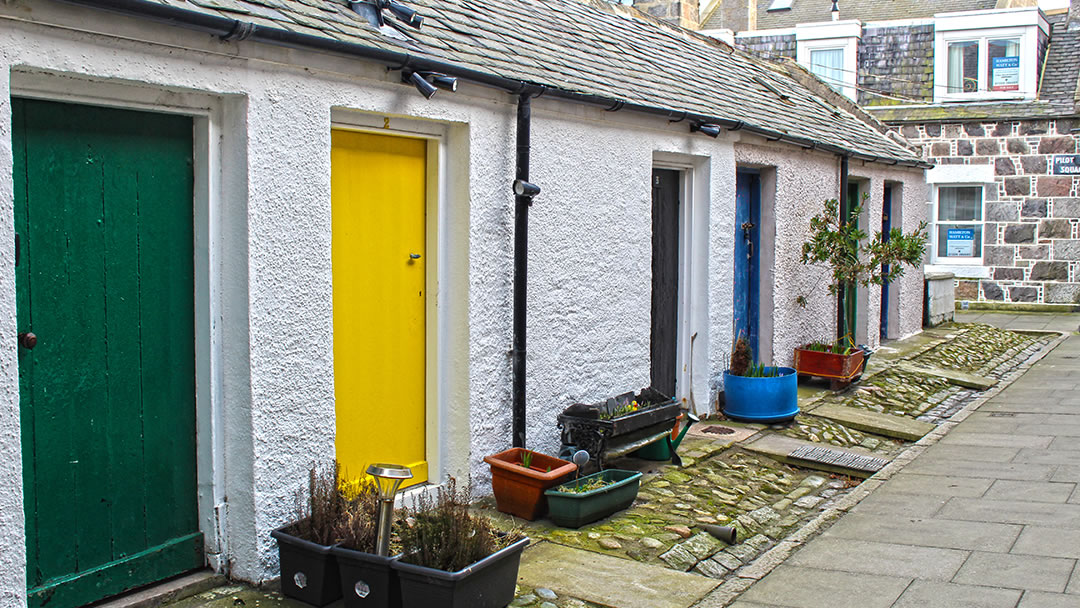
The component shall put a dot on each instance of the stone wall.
(679, 12)
(1031, 239)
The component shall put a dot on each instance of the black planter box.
(309, 572)
(367, 580)
(488, 583)
(594, 435)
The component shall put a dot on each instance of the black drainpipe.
(841, 329)
(521, 266)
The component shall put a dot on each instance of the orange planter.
(519, 491)
(829, 365)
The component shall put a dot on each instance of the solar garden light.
(388, 478)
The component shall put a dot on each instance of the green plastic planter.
(573, 510)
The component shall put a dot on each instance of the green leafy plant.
(526, 459)
(442, 533)
(853, 258)
(585, 486)
(843, 346)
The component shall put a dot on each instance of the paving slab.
(853, 555)
(1074, 583)
(1031, 491)
(936, 485)
(982, 453)
(1016, 571)
(927, 594)
(928, 532)
(1012, 512)
(887, 425)
(1047, 456)
(901, 505)
(988, 470)
(1066, 472)
(779, 448)
(796, 587)
(1042, 599)
(610, 581)
(1042, 404)
(1066, 444)
(1048, 542)
(959, 378)
(1008, 440)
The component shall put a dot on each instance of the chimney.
(679, 12)
(1074, 16)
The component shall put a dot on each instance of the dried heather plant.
(741, 358)
(320, 510)
(357, 525)
(441, 533)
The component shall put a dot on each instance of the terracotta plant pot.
(519, 491)
(834, 366)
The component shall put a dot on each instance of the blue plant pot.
(762, 399)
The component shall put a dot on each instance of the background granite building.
(989, 92)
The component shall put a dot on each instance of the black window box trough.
(605, 438)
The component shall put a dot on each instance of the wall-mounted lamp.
(428, 83)
(835, 10)
(374, 9)
(388, 478)
(708, 129)
(524, 188)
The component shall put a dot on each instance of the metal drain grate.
(718, 430)
(847, 460)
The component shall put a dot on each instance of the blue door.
(747, 256)
(886, 226)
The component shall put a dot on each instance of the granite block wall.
(1031, 235)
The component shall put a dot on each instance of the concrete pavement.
(989, 516)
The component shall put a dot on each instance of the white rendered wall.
(589, 262)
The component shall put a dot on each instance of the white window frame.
(827, 36)
(958, 176)
(982, 26)
(980, 223)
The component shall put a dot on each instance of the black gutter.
(233, 29)
(521, 267)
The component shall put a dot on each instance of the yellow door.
(379, 195)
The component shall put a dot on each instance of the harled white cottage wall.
(266, 400)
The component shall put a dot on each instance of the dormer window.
(830, 51)
(987, 55)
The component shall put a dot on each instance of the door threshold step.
(817, 456)
(171, 590)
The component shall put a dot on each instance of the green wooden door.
(105, 280)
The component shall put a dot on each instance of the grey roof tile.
(593, 48)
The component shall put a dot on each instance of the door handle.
(414, 256)
(28, 340)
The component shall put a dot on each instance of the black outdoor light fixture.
(524, 188)
(374, 9)
(428, 83)
(706, 128)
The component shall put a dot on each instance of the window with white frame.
(987, 54)
(828, 65)
(958, 224)
(829, 50)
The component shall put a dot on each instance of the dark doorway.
(665, 279)
(886, 226)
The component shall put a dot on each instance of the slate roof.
(810, 11)
(1059, 95)
(588, 47)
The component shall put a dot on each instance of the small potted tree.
(853, 259)
(519, 478)
(453, 558)
(754, 392)
(309, 571)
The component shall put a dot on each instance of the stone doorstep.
(887, 425)
(778, 447)
(963, 379)
(169, 591)
(607, 580)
